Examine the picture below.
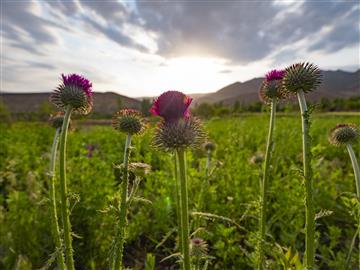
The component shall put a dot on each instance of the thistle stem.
(55, 221)
(309, 200)
(178, 206)
(119, 244)
(184, 209)
(356, 169)
(264, 185)
(63, 191)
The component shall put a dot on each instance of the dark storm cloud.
(247, 31)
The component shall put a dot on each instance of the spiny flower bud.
(343, 134)
(209, 146)
(198, 247)
(172, 105)
(56, 119)
(74, 91)
(128, 121)
(186, 132)
(272, 86)
(135, 169)
(301, 77)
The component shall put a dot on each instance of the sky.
(143, 48)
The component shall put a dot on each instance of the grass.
(25, 231)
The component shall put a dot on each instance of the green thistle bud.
(56, 120)
(209, 146)
(198, 247)
(344, 134)
(129, 121)
(186, 132)
(135, 169)
(301, 76)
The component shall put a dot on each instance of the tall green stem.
(184, 209)
(178, 206)
(264, 186)
(356, 169)
(309, 200)
(119, 244)
(63, 191)
(55, 225)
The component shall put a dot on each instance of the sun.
(192, 73)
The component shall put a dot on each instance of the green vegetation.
(230, 208)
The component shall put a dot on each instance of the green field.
(26, 242)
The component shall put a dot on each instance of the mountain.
(336, 84)
(108, 102)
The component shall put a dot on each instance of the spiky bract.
(74, 91)
(129, 121)
(344, 134)
(184, 133)
(198, 247)
(270, 90)
(304, 77)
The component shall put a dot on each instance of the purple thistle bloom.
(274, 75)
(78, 81)
(172, 106)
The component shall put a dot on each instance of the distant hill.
(107, 102)
(336, 84)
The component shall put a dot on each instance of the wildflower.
(176, 132)
(74, 91)
(172, 106)
(128, 121)
(271, 87)
(180, 134)
(344, 134)
(301, 77)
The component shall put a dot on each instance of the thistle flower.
(172, 105)
(300, 79)
(344, 134)
(74, 91)
(183, 133)
(272, 86)
(301, 76)
(198, 247)
(128, 121)
(176, 132)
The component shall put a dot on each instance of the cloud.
(240, 32)
(247, 31)
(225, 71)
